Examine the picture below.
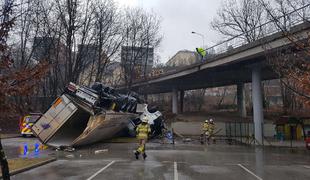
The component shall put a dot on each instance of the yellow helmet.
(206, 121)
(144, 119)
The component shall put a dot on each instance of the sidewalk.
(294, 143)
(275, 143)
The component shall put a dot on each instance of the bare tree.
(291, 63)
(13, 81)
(69, 15)
(28, 24)
(221, 95)
(5, 27)
(153, 38)
(196, 99)
(240, 18)
(84, 39)
(104, 45)
(141, 35)
(78, 39)
(108, 35)
(283, 9)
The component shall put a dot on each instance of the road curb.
(17, 171)
(13, 136)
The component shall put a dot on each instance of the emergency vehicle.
(26, 123)
(308, 143)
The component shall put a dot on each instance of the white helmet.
(211, 120)
(206, 121)
(144, 119)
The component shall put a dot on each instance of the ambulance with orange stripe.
(26, 123)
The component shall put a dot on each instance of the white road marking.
(176, 177)
(247, 170)
(98, 172)
(308, 167)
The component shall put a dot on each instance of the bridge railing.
(277, 24)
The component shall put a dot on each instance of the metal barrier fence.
(244, 132)
(239, 130)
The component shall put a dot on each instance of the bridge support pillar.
(181, 101)
(241, 99)
(175, 101)
(258, 115)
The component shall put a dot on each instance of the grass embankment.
(4, 136)
(24, 163)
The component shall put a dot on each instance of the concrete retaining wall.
(194, 129)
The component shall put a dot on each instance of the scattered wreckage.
(83, 115)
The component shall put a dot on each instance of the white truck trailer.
(73, 120)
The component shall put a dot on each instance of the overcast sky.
(179, 19)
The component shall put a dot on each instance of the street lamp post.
(203, 38)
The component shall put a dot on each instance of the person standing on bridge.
(202, 52)
(143, 131)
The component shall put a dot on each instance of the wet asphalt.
(113, 161)
(28, 147)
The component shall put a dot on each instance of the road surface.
(175, 162)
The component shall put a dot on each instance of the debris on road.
(69, 149)
(178, 134)
(65, 148)
(70, 156)
(101, 151)
(187, 140)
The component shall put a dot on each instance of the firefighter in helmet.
(142, 131)
(211, 131)
(205, 131)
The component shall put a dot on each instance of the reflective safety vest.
(211, 128)
(201, 51)
(205, 126)
(143, 131)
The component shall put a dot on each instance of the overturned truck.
(83, 115)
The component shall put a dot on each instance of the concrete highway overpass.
(230, 68)
(247, 63)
